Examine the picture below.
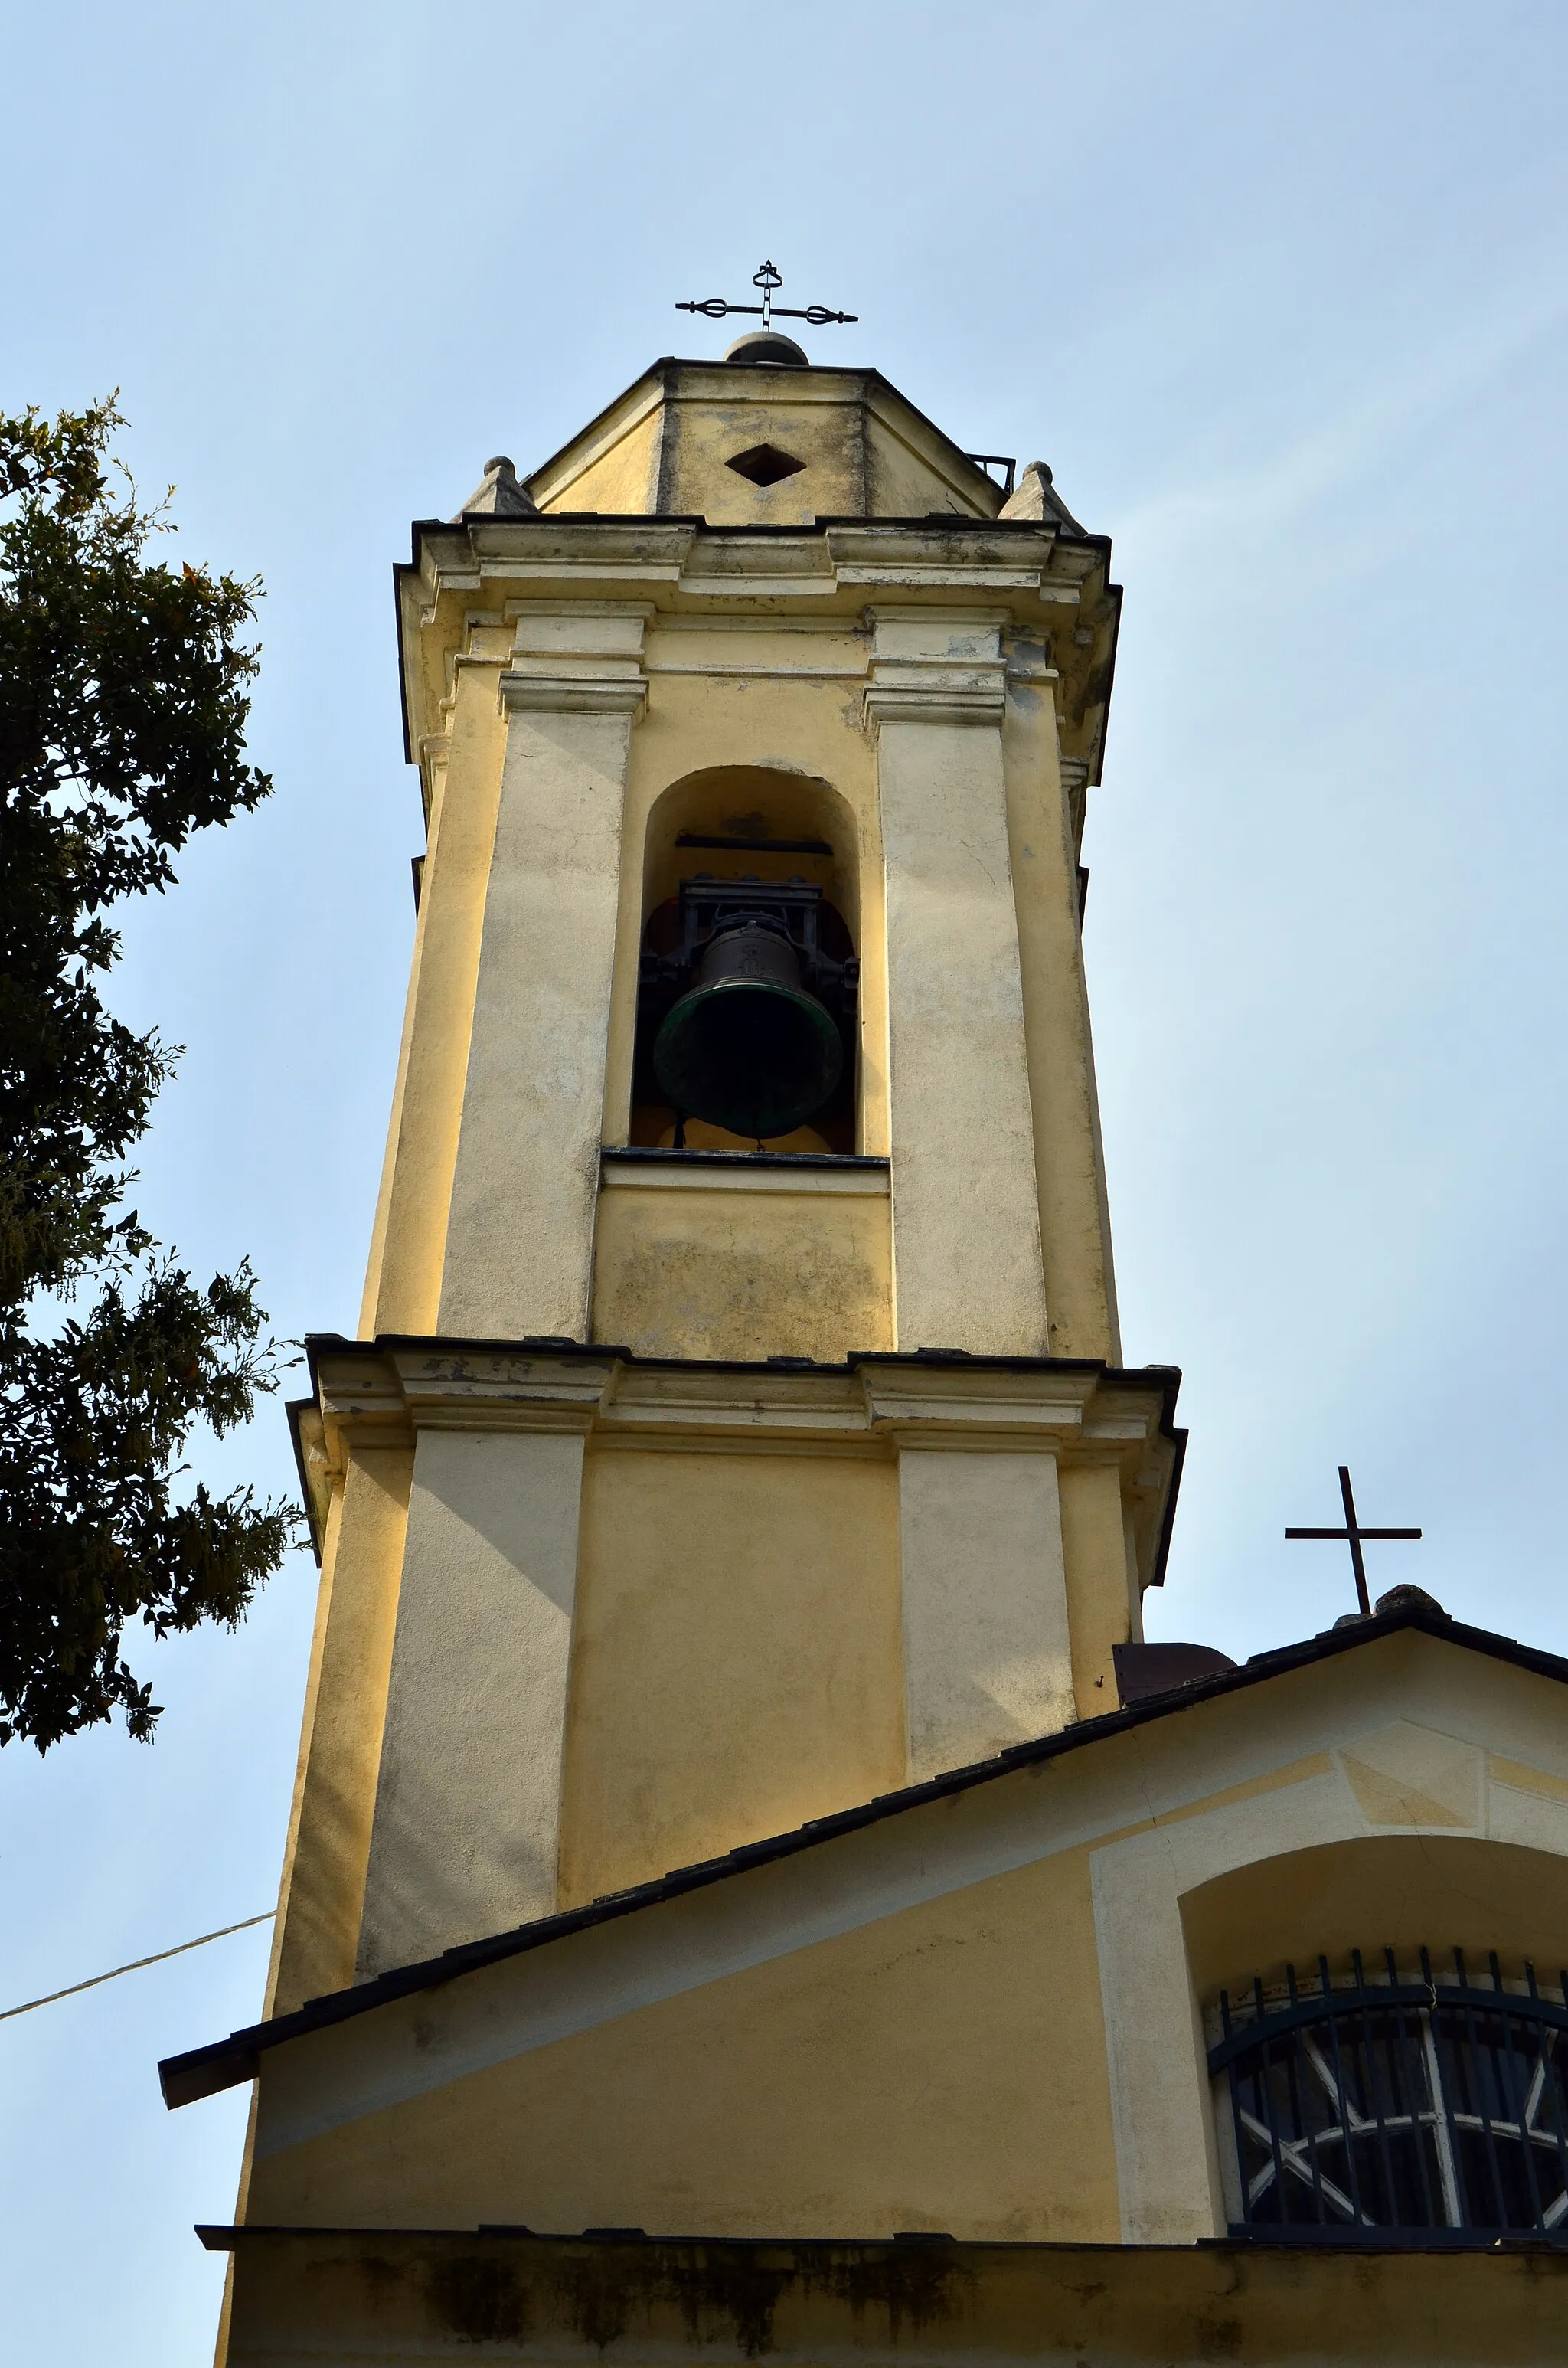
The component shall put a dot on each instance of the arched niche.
(1384, 2061)
(773, 826)
(1399, 1891)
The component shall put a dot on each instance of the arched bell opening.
(747, 1015)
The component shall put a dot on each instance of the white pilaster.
(967, 1266)
(987, 1656)
(987, 1644)
(519, 1236)
(468, 1802)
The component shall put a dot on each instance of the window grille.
(1421, 2110)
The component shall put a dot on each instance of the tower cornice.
(469, 579)
(874, 1403)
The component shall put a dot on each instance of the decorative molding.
(731, 672)
(584, 659)
(382, 1394)
(624, 1168)
(937, 665)
(574, 694)
(981, 700)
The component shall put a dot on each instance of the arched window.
(1400, 2106)
(747, 1010)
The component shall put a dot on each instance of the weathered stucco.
(467, 1829)
(666, 444)
(685, 1261)
(986, 1649)
(316, 1936)
(736, 1664)
(560, 2298)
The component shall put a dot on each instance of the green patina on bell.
(748, 1048)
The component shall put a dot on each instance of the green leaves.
(123, 700)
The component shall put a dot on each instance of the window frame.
(1457, 2060)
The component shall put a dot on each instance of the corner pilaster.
(466, 1835)
(519, 1236)
(987, 1636)
(967, 1271)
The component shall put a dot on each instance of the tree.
(123, 699)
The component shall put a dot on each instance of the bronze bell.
(749, 1048)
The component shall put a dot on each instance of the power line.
(136, 1965)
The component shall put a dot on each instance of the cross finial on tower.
(768, 279)
(1354, 1534)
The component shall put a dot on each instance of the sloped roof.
(223, 2063)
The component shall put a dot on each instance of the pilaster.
(987, 1644)
(519, 1236)
(967, 1271)
(468, 1801)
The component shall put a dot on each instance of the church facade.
(749, 1888)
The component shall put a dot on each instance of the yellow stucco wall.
(1080, 1292)
(1399, 1891)
(679, 1272)
(403, 1286)
(735, 1664)
(667, 443)
(322, 1882)
(1101, 1592)
(941, 2068)
(902, 482)
(701, 439)
(623, 476)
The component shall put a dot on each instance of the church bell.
(749, 1047)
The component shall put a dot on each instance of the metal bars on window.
(1421, 2110)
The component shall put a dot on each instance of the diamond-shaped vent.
(765, 464)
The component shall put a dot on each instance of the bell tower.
(750, 1892)
(736, 1430)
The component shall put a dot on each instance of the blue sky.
(1279, 294)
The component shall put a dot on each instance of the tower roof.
(678, 441)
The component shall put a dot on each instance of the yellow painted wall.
(685, 1273)
(1100, 1595)
(1402, 1891)
(1075, 1221)
(329, 1838)
(701, 437)
(622, 479)
(736, 1660)
(402, 1287)
(333, 2297)
(864, 452)
(902, 484)
(941, 2068)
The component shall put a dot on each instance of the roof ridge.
(221, 2064)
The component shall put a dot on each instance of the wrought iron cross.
(767, 279)
(1354, 1534)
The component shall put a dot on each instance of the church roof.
(202, 2071)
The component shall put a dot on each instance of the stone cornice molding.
(383, 1393)
(567, 694)
(929, 666)
(928, 696)
(584, 659)
(1050, 590)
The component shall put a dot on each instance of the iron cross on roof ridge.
(1354, 1533)
(767, 279)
